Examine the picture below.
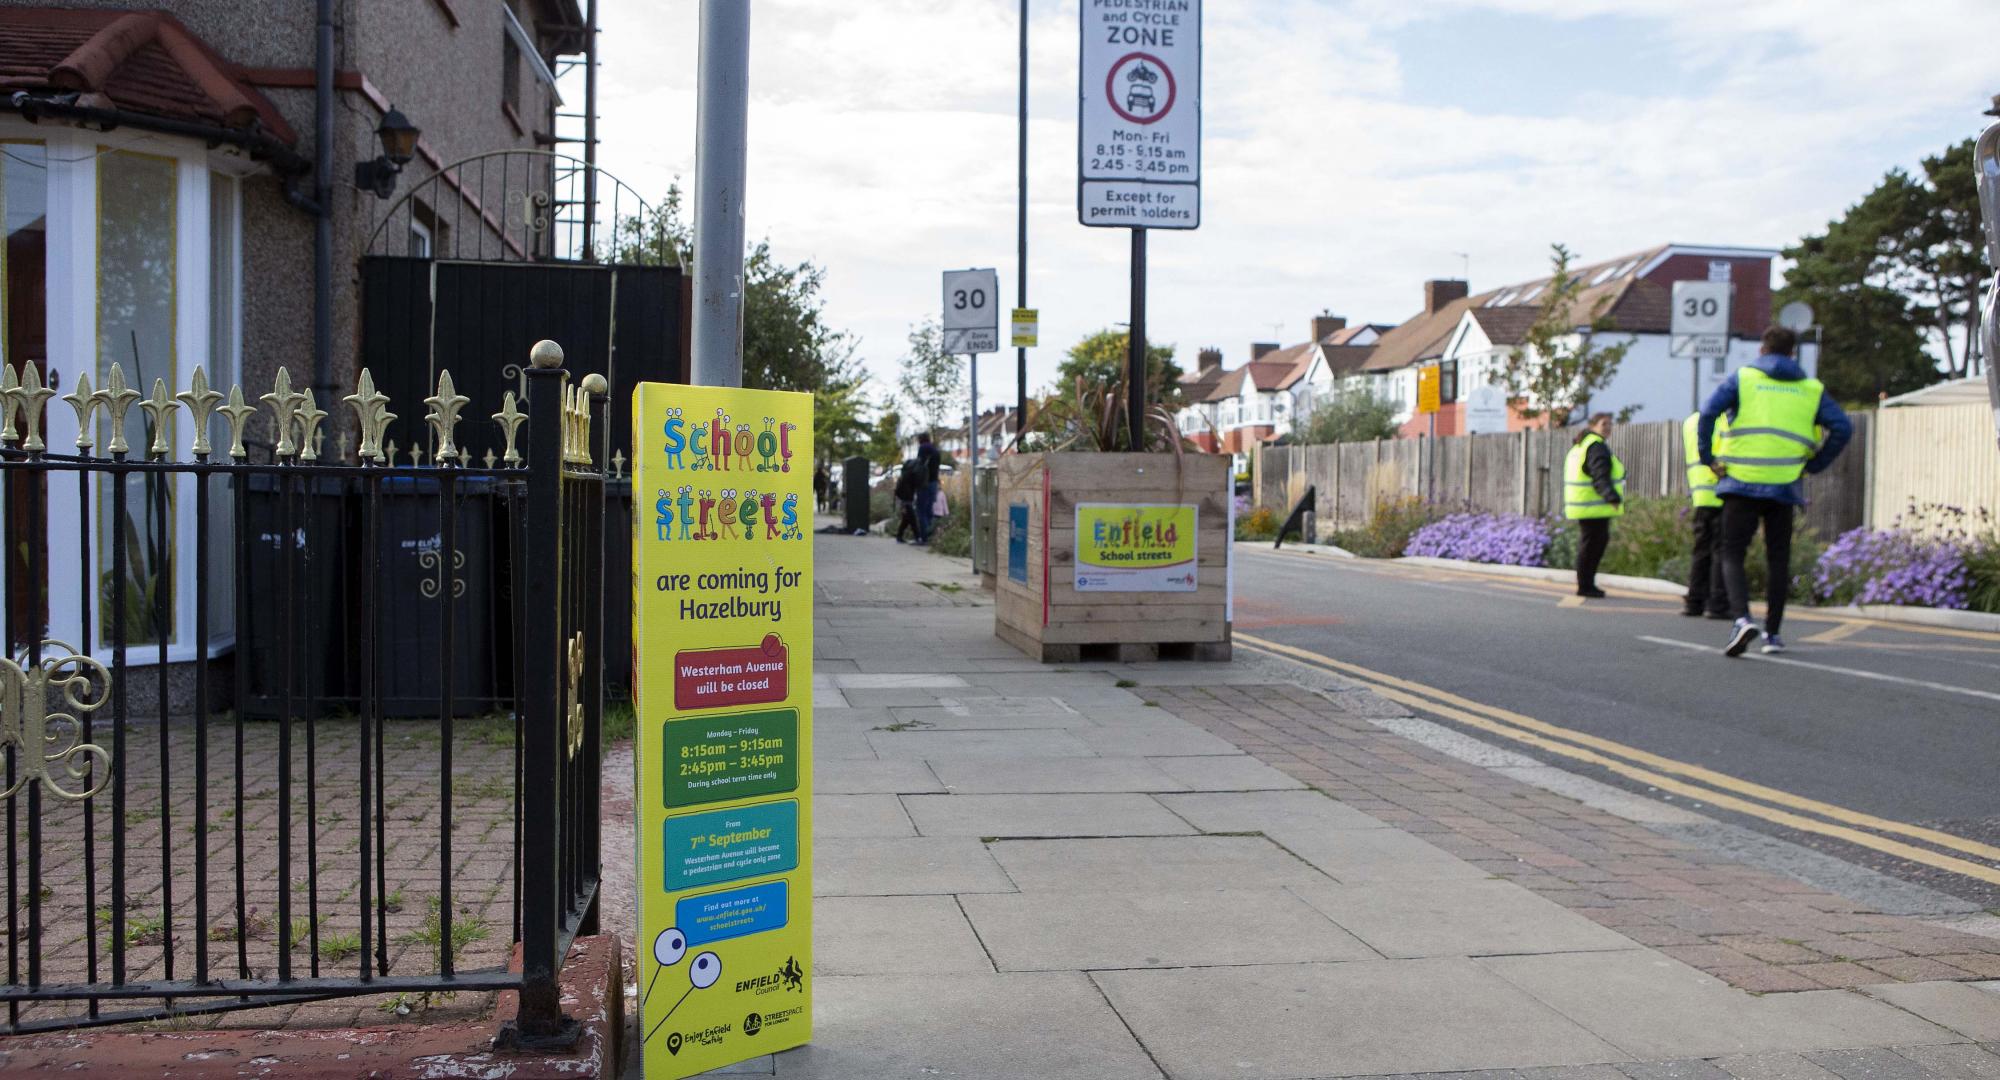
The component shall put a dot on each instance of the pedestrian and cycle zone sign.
(1139, 114)
(722, 657)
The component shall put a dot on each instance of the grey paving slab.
(941, 745)
(1042, 815)
(1966, 1009)
(1238, 772)
(894, 935)
(902, 681)
(1878, 1063)
(1074, 774)
(1957, 1061)
(1369, 1016)
(1260, 810)
(834, 745)
(905, 866)
(864, 777)
(1681, 1069)
(757, 1066)
(1460, 918)
(1008, 1026)
(897, 696)
(948, 718)
(1139, 928)
(1184, 741)
(1656, 1007)
(837, 816)
(1372, 855)
(1161, 863)
(1785, 1066)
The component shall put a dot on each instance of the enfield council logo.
(790, 977)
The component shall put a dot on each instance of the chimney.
(1325, 326)
(1207, 360)
(1259, 348)
(1442, 291)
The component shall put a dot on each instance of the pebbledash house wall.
(440, 61)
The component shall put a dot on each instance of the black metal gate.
(169, 856)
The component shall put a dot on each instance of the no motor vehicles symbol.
(1133, 88)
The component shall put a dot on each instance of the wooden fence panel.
(1934, 454)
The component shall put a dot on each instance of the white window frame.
(72, 344)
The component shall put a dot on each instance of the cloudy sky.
(1353, 148)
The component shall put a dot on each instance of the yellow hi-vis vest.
(1580, 498)
(1701, 478)
(1772, 436)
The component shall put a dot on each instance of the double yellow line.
(1667, 774)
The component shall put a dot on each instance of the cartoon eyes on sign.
(670, 946)
(705, 970)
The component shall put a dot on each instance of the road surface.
(1877, 742)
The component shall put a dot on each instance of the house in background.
(157, 185)
(1469, 337)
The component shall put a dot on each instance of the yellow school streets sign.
(722, 644)
(1135, 548)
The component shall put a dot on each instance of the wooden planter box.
(1038, 607)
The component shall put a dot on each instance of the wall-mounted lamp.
(399, 145)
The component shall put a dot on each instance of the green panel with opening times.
(717, 758)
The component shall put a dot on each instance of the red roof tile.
(139, 61)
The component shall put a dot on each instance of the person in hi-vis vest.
(1593, 494)
(1706, 594)
(1776, 413)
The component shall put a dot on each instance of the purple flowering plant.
(1931, 556)
(1509, 539)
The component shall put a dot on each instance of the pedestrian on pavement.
(927, 460)
(819, 486)
(1706, 595)
(908, 479)
(1771, 441)
(1593, 494)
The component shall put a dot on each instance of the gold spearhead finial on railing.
(161, 408)
(389, 452)
(201, 401)
(490, 457)
(618, 465)
(116, 397)
(371, 412)
(343, 442)
(10, 392)
(443, 417)
(238, 413)
(510, 419)
(284, 403)
(593, 386)
(417, 456)
(85, 403)
(31, 396)
(309, 416)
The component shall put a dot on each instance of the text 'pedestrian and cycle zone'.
(722, 642)
(1139, 114)
(1135, 548)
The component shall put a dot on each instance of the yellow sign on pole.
(1427, 388)
(722, 644)
(1026, 323)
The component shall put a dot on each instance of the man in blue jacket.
(1775, 415)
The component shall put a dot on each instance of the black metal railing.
(169, 852)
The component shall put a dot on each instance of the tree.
(1900, 270)
(787, 342)
(885, 439)
(1350, 417)
(933, 381)
(1559, 368)
(839, 432)
(1105, 355)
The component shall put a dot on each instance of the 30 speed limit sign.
(1701, 318)
(971, 312)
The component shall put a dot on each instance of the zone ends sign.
(1139, 114)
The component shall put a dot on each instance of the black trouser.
(1706, 591)
(1593, 535)
(907, 522)
(1740, 517)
